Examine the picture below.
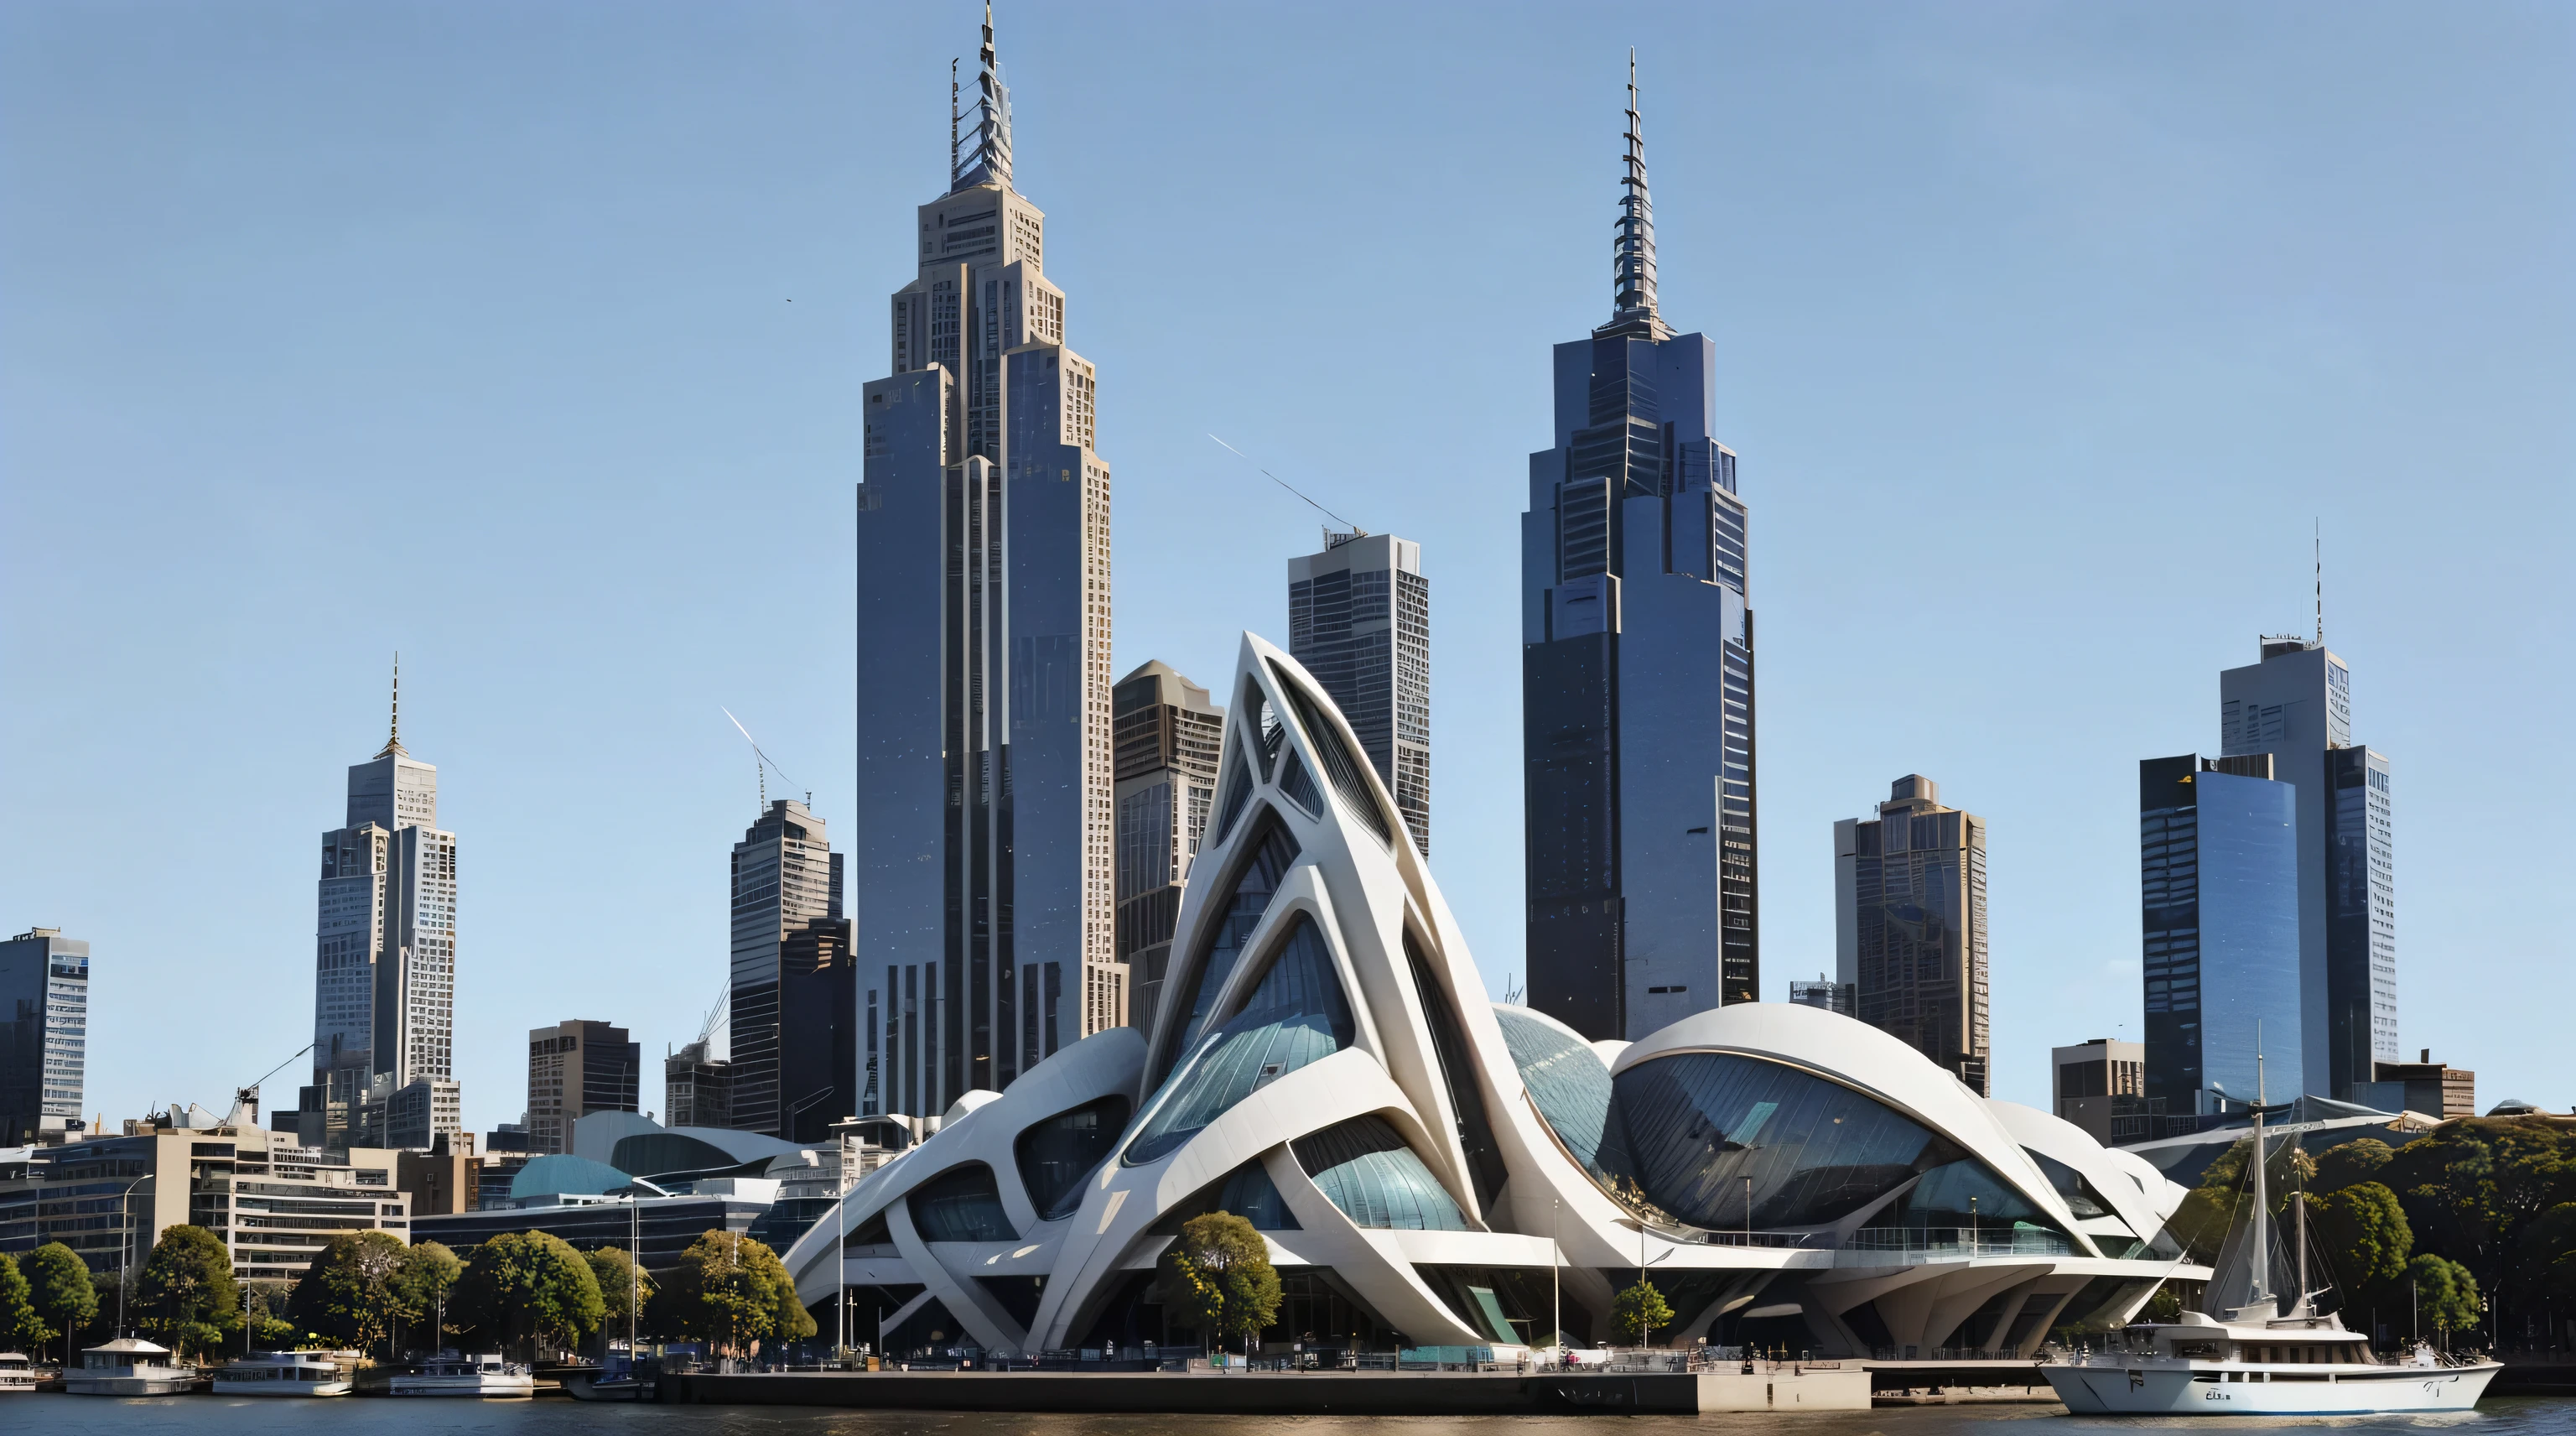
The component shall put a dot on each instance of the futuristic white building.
(1326, 1063)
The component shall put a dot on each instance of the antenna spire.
(991, 161)
(393, 737)
(1633, 249)
(2321, 581)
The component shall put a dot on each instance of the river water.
(51, 1415)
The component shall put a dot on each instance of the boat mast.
(2262, 1290)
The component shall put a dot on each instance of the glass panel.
(1056, 1154)
(1338, 763)
(1700, 1123)
(1253, 888)
(1458, 1075)
(1569, 1087)
(1299, 785)
(1251, 1195)
(962, 1204)
(1297, 1015)
(1238, 794)
(2080, 1197)
(1377, 1181)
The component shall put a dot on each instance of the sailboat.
(2250, 1358)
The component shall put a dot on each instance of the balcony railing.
(1955, 1243)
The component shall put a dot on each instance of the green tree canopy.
(2549, 1254)
(2445, 1294)
(187, 1291)
(59, 1285)
(1219, 1277)
(2363, 1232)
(264, 1305)
(1639, 1312)
(20, 1323)
(530, 1287)
(422, 1279)
(729, 1291)
(619, 1281)
(2359, 1160)
(347, 1294)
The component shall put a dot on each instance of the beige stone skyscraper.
(1910, 925)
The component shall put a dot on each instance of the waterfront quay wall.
(1337, 1393)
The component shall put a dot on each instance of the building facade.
(1910, 926)
(574, 1068)
(1359, 618)
(2218, 857)
(2295, 703)
(1167, 736)
(697, 1089)
(1637, 682)
(2101, 1086)
(44, 1035)
(982, 860)
(820, 1070)
(785, 876)
(384, 1004)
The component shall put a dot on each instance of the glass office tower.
(979, 863)
(1359, 618)
(1637, 674)
(44, 1035)
(1910, 927)
(784, 878)
(2219, 905)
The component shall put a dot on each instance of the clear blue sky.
(527, 340)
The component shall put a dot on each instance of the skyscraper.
(982, 858)
(785, 876)
(1359, 618)
(2218, 858)
(385, 962)
(1637, 673)
(1910, 925)
(819, 1066)
(2295, 703)
(44, 1033)
(1167, 735)
(576, 1068)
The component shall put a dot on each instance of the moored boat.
(288, 1373)
(129, 1367)
(449, 1374)
(17, 1373)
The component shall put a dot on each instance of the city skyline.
(519, 726)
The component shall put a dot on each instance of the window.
(1297, 1015)
(1376, 1180)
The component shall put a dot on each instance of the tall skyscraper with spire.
(385, 961)
(980, 866)
(1637, 672)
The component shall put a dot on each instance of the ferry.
(288, 1373)
(17, 1373)
(453, 1375)
(2257, 1359)
(128, 1367)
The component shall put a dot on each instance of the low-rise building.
(2435, 1089)
(2100, 1085)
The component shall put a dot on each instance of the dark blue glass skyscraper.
(2218, 847)
(1637, 673)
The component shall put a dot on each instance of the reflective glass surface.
(1297, 1015)
(1570, 1088)
(2078, 1193)
(1251, 1195)
(1377, 1181)
(1244, 906)
(1055, 1155)
(1340, 764)
(1299, 785)
(1238, 794)
(962, 1204)
(1700, 1123)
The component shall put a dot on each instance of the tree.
(532, 1287)
(187, 1290)
(2364, 1234)
(348, 1294)
(1220, 1277)
(620, 1281)
(20, 1322)
(263, 1303)
(60, 1287)
(2347, 1163)
(731, 1291)
(2549, 1254)
(1638, 1311)
(2445, 1295)
(422, 1278)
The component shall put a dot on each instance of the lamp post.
(1556, 1278)
(124, 1248)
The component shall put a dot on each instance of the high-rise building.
(819, 1067)
(1910, 926)
(2295, 703)
(44, 1034)
(1359, 618)
(785, 875)
(1826, 995)
(1637, 674)
(2101, 1086)
(385, 964)
(1167, 735)
(576, 1068)
(697, 1090)
(2218, 855)
(983, 824)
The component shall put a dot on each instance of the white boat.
(288, 1373)
(453, 1375)
(128, 1367)
(2259, 1360)
(17, 1373)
